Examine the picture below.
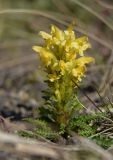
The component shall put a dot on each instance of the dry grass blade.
(110, 102)
(59, 20)
(26, 147)
(14, 144)
(29, 11)
(103, 101)
(107, 78)
(109, 134)
(22, 60)
(104, 4)
(92, 36)
(104, 131)
(92, 11)
(81, 28)
(88, 97)
(61, 6)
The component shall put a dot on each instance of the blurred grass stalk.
(61, 20)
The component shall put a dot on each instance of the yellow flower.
(57, 33)
(53, 77)
(46, 56)
(62, 67)
(70, 56)
(57, 94)
(79, 67)
(63, 54)
(45, 35)
(69, 66)
(83, 44)
(83, 60)
(78, 72)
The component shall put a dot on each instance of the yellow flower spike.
(65, 63)
(61, 52)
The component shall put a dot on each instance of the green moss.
(40, 129)
(103, 140)
(87, 126)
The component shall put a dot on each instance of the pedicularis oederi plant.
(65, 64)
